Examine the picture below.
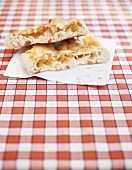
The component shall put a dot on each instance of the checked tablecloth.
(49, 125)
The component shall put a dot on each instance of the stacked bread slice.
(57, 45)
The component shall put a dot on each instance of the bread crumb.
(100, 78)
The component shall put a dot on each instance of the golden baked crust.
(55, 30)
(64, 55)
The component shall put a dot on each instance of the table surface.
(50, 125)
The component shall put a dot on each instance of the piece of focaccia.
(64, 55)
(54, 31)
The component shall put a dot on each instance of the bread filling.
(69, 60)
(64, 55)
(54, 31)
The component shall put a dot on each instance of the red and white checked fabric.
(49, 125)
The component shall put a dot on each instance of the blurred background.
(103, 17)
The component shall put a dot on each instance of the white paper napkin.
(96, 74)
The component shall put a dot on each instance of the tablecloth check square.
(50, 125)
